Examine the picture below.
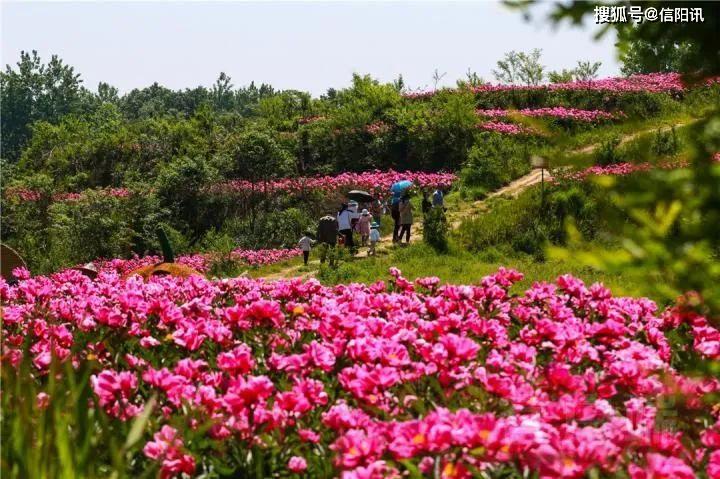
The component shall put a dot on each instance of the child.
(374, 238)
(305, 244)
(363, 225)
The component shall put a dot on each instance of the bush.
(527, 224)
(94, 227)
(220, 246)
(473, 193)
(435, 229)
(272, 229)
(665, 142)
(180, 187)
(494, 161)
(607, 153)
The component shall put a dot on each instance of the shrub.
(435, 229)
(473, 193)
(179, 187)
(220, 246)
(607, 153)
(665, 142)
(494, 161)
(95, 227)
(281, 228)
(527, 223)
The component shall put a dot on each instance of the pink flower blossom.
(297, 464)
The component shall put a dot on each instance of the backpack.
(327, 230)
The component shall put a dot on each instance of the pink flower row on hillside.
(505, 128)
(380, 380)
(624, 169)
(311, 119)
(199, 261)
(651, 83)
(376, 182)
(27, 194)
(554, 112)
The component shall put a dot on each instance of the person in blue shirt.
(438, 198)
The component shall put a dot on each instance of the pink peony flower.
(297, 464)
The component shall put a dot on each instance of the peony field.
(360, 240)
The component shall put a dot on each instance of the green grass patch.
(462, 267)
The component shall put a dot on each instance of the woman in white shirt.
(344, 218)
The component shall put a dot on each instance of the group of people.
(349, 221)
(338, 229)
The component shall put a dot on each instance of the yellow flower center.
(449, 470)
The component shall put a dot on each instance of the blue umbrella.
(400, 186)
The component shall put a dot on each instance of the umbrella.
(359, 195)
(400, 186)
(89, 270)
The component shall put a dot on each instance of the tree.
(107, 93)
(562, 76)
(179, 186)
(586, 71)
(472, 79)
(399, 83)
(221, 93)
(32, 92)
(437, 78)
(258, 157)
(640, 56)
(671, 242)
(520, 68)
(703, 54)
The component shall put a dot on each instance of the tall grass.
(50, 428)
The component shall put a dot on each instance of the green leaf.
(139, 423)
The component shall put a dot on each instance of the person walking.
(344, 219)
(426, 205)
(406, 218)
(327, 235)
(364, 226)
(377, 210)
(374, 238)
(395, 214)
(438, 198)
(305, 244)
(354, 213)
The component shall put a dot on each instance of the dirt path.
(632, 136)
(382, 247)
(469, 209)
(512, 190)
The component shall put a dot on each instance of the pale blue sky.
(306, 46)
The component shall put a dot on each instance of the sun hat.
(365, 212)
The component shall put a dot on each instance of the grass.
(461, 267)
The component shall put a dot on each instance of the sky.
(310, 46)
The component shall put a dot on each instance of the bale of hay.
(9, 260)
(163, 269)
